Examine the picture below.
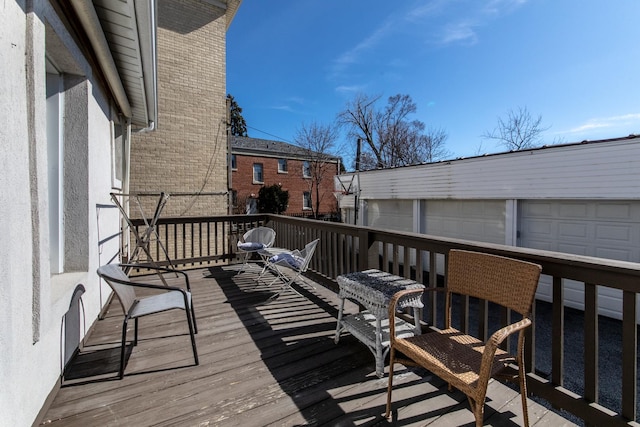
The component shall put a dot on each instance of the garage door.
(479, 220)
(390, 214)
(606, 229)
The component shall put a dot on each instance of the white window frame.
(282, 166)
(258, 167)
(306, 169)
(234, 162)
(306, 201)
(55, 150)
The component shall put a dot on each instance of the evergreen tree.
(237, 125)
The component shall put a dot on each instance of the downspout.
(91, 24)
(125, 251)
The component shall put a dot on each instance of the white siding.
(605, 169)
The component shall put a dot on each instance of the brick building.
(186, 153)
(259, 162)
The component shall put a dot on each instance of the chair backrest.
(118, 280)
(307, 253)
(264, 235)
(508, 282)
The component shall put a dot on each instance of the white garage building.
(581, 198)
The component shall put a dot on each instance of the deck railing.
(194, 242)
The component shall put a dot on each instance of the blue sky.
(465, 63)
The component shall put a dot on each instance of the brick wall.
(292, 181)
(187, 153)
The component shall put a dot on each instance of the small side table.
(374, 289)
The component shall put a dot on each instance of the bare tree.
(518, 131)
(359, 116)
(392, 139)
(319, 141)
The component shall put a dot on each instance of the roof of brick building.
(270, 148)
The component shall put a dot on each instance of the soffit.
(129, 28)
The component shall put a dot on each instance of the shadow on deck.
(260, 364)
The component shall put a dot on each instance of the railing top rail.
(607, 272)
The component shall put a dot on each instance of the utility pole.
(356, 197)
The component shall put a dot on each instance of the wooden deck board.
(260, 364)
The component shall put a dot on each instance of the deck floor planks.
(260, 364)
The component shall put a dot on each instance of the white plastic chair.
(253, 241)
(134, 306)
(296, 261)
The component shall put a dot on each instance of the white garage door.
(393, 214)
(606, 229)
(479, 220)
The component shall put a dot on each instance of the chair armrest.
(435, 289)
(163, 270)
(491, 345)
(393, 302)
(501, 334)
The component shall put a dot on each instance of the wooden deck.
(260, 364)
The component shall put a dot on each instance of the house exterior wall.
(33, 300)
(186, 155)
(292, 181)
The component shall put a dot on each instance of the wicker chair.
(253, 241)
(464, 361)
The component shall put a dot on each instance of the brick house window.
(258, 178)
(306, 169)
(282, 166)
(306, 200)
(234, 165)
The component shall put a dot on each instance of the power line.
(267, 133)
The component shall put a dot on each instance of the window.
(257, 173)
(55, 153)
(234, 165)
(67, 150)
(306, 200)
(282, 165)
(306, 169)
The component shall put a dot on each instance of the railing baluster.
(557, 333)
(629, 355)
(591, 342)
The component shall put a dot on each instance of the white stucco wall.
(31, 323)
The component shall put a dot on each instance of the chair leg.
(523, 394)
(244, 263)
(193, 316)
(135, 336)
(478, 411)
(392, 358)
(192, 335)
(123, 347)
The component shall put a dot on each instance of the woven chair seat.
(451, 354)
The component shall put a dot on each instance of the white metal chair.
(296, 261)
(253, 241)
(135, 306)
